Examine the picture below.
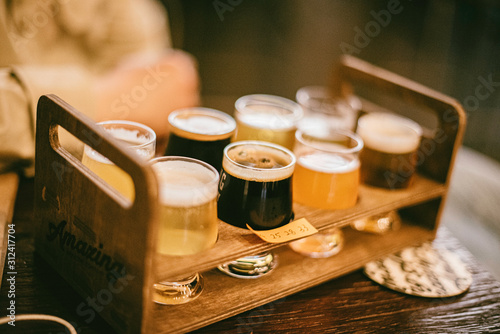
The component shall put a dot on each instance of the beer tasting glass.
(322, 109)
(200, 133)
(387, 161)
(188, 224)
(267, 118)
(137, 137)
(326, 176)
(255, 188)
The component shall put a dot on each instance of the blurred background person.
(111, 59)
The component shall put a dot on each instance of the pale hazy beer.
(267, 118)
(188, 205)
(200, 133)
(137, 137)
(187, 194)
(327, 170)
(390, 154)
(256, 185)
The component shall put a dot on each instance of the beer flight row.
(251, 168)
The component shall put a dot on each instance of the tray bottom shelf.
(225, 296)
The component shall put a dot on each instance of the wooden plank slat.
(236, 242)
(225, 296)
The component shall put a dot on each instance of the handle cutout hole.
(102, 168)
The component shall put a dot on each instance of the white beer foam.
(200, 120)
(255, 173)
(389, 133)
(184, 183)
(328, 163)
(203, 124)
(267, 117)
(131, 138)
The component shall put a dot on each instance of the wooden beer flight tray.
(88, 233)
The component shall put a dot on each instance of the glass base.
(178, 292)
(249, 267)
(378, 224)
(320, 245)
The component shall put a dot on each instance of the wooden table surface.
(349, 304)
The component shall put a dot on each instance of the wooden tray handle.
(86, 130)
(101, 240)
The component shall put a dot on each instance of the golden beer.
(187, 193)
(188, 206)
(267, 118)
(139, 138)
(390, 154)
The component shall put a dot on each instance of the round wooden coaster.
(421, 271)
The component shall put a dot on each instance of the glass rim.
(210, 112)
(295, 111)
(146, 128)
(312, 91)
(306, 94)
(265, 144)
(299, 136)
(164, 158)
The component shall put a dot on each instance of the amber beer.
(200, 133)
(327, 171)
(267, 118)
(390, 154)
(256, 185)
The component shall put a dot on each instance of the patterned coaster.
(421, 271)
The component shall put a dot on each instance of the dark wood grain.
(349, 304)
(102, 245)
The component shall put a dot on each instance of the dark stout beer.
(200, 133)
(256, 185)
(389, 157)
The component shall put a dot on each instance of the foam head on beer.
(327, 171)
(267, 118)
(259, 163)
(184, 184)
(188, 205)
(200, 133)
(268, 111)
(197, 123)
(389, 133)
(137, 138)
(256, 185)
(390, 154)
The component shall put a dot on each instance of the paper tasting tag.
(294, 230)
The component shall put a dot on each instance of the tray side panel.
(84, 228)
